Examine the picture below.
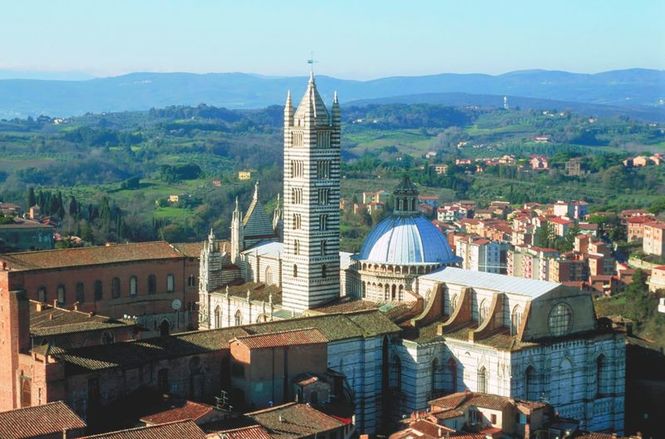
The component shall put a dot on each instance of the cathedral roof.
(312, 107)
(405, 240)
(492, 281)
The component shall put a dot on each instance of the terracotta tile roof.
(46, 320)
(333, 326)
(25, 224)
(180, 430)
(82, 256)
(40, 420)
(250, 432)
(188, 411)
(292, 337)
(462, 400)
(656, 225)
(344, 304)
(294, 420)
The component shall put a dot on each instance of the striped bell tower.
(310, 269)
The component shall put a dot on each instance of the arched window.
(393, 292)
(436, 385)
(324, 271)
(602, 378)
(41, 295)
(262, 318)
(61, 294)
(565, 382)
(268, 276)
(560, 319)
(99, 290)
(133, 286)
(482, 311)
(163, 380)
(296, 247)
(170, 283)
(152, 284)
(482, 380)
(530, 385)
(218, 317)
(80, 292)
(452, 375)
(238, 318)
(324, 248)
(295, 270)
(115, 288)
(400, 296)
(396, 374)
(515, 319)
(363, 290)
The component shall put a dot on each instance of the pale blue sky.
(351, 39)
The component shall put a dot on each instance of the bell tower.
(310, 269)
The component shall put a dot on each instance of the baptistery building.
(398, 250)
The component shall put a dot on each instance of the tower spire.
(256, 191)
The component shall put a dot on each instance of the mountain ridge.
(629, 88)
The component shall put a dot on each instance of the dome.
(405, 240)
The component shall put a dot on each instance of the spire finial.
(236, 203)
(335, 101)
(288, 98)
(256, 190)
(311, 62)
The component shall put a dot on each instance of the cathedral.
(460, 329)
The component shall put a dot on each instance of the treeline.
(103, 137)
(95, 223)
(408, 116)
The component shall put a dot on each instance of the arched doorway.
(164, 328)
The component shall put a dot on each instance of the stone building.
(22, 235)
(511, 337)
(156, 282)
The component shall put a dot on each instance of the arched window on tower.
(324, 271)
(295, 270)
(238, 318)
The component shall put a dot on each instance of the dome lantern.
(405, 197)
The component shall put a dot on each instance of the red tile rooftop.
(82, 256)
(42, 420)
(285, 338)
(251, 432)
(189, 410)
(180, 430)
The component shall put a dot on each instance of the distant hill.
(631, 89)
(642, 112)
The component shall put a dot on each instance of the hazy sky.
(351, 39)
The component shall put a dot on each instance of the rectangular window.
(80, 292)
(297, 168)
(296, 195)
(297, 138)
(61, 295)
(170, 283)
(297, 221)
(99, 290)
(493, 419)
(323, 139)
(323, 222)
(324, 195)
(323, 169)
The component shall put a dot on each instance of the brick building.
(154, 281)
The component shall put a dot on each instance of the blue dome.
(404, 240)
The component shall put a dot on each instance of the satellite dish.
(176, 304)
